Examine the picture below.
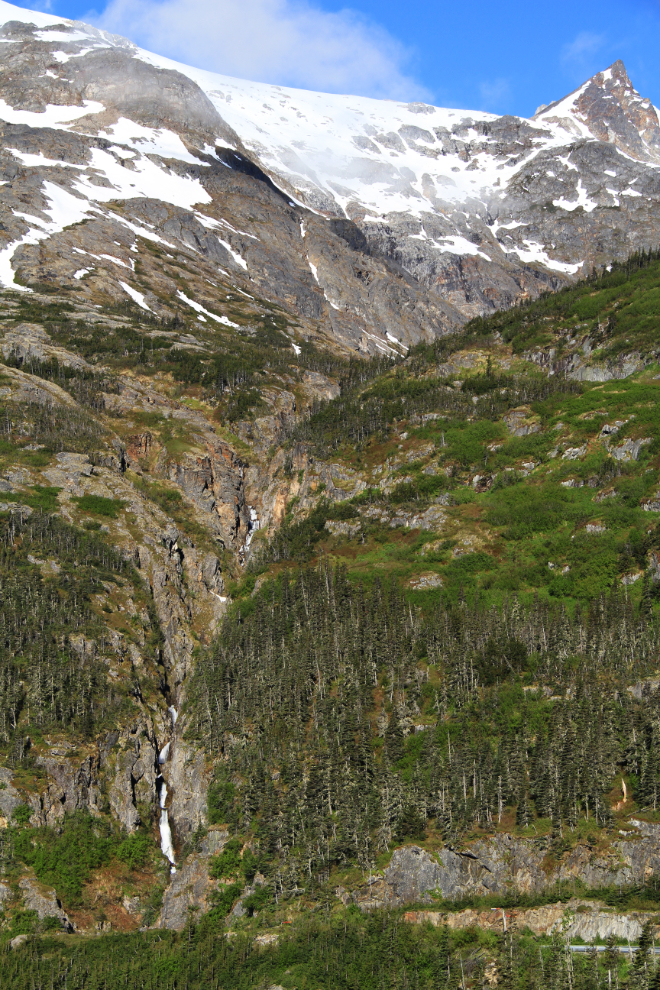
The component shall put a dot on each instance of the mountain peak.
(611, 110)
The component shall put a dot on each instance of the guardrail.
(617, 948)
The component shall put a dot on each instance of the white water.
(166, 845)
(165, 830)
(253, 526)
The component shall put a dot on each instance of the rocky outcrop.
(190, 888)
(430, 519)
(132, 765)
(188, 891)
(10, 798)
(629, 449)
(187, 775)
(42, 899)
(214, 482)
(586, 920)
(69, 788)
(518, 423)
(28, 343)
(576, 363)
(505, 862)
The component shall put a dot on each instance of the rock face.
(587, 920)
(43, 900)
(503, 863)
(612, 110)
(69, 788)
(133, 761)
(9, 797)
(191, 887)
(187, 775)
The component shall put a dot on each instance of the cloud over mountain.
(277, 41)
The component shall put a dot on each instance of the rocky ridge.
(504, 863)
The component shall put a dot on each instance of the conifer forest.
(416, 743)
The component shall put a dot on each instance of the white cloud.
(278, 41)
(584, 45)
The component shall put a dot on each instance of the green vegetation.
(617, 308)
(47, 680)
(67, 857)
(65, 861)
(97, 505)
(50, 428)
(482, 745)
(454, 633)
(339, 951)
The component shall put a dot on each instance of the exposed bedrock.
(503, 863)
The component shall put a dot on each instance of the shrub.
(100, 506)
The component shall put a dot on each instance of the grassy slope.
(539, 496)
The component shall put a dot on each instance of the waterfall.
(165, 831)
(252, 527)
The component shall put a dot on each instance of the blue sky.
(506, 57)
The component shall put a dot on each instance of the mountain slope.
(308, 661)
(405, 219)
(409, 633)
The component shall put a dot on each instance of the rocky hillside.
(291, 641)
(475, 525)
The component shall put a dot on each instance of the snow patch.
(396, 341)
(582, 200)
(40, 161)
(52, 116)
(135, 296)
(461, 246)
(200, 309)
(237, 258)
(536, 253)
(151, 141)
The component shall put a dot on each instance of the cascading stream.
(165, 831)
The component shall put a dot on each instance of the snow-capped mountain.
(371, 222)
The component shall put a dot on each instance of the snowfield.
(339, 155)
